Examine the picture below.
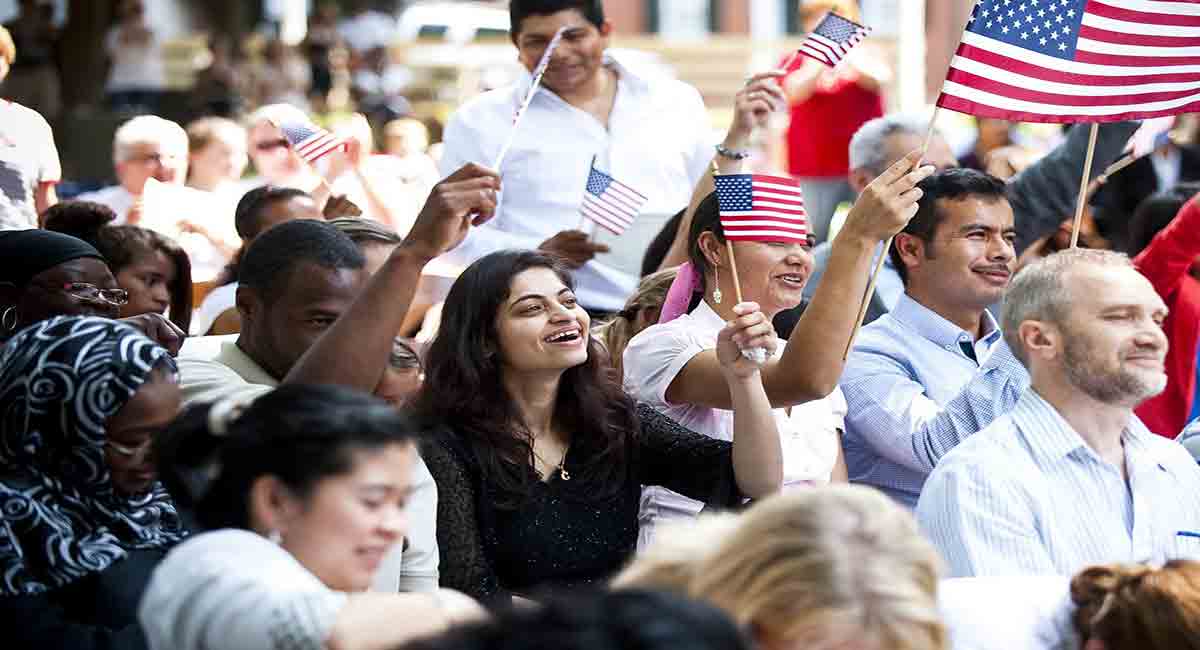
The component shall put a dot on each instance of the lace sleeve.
(679, 459)
(463, 563)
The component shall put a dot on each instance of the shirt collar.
(232, 357)
(704, 316)
(934, 327)
(1050, 435)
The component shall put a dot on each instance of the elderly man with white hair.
(145, 147)
(1071, 477)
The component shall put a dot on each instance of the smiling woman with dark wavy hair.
(538, 455)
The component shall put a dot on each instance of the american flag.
(755, 207)
(610, 203)
(310, 141)
(1077, 60)
(832, 39)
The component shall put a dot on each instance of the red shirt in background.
(1165, 262)
(819, 135)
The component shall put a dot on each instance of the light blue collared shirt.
(914, 393)
(1027, 496)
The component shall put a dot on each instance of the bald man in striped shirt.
(1071, 477)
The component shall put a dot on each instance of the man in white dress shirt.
(145, 147)
(652, 135)
(1071, 477)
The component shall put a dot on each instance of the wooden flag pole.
(737, 283)
(887, 247)
(757, 355)
(1083, 183)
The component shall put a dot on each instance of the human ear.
(1039, 339)
(713, 250)
(272, 506)
(912, 249)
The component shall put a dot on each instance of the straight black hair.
(298, 434)
(519, 10)
(949, 185)
(631, 619)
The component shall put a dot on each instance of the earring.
(275, 537)
(716, 286)
(4, 324)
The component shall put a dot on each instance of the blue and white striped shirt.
(914, 392)
(1027, 496)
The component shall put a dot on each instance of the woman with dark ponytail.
(301, 494)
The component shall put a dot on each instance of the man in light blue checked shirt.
(935, 370)
(1071, 477)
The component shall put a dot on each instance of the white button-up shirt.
(809, 432)
(1027, 496)
(657, 142)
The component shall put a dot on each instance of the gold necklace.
(562, 470)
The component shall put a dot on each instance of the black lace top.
(559, 537)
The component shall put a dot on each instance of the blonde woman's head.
(678, 549)
(837, 567)
(640, 311)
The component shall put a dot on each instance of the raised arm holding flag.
(648, 132)
(1075, 61)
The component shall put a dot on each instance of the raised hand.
(751, 329)
(465, 198)
(753, 106)
(339, 206)
(886, 205)
(160, 330)
(573, 247)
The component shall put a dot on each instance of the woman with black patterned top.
(540, 457)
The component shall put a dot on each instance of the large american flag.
(755, 207)
(610, 203)
(1077, 60)
(833, 39)
(310, 141)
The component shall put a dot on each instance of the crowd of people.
(310, 411)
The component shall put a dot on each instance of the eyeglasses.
(271, 145)
(156, 158)
(92, 293)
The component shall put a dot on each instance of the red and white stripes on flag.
(310, 141)
(755, 207)
(1077, 60)
(612, 204)
(833, 39)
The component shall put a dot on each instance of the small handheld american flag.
(755, 207)
(310, 141)
(833, 38)
(612, 204)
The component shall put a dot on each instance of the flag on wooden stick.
(1076, 60)
(755, 207)
(310, 141)
(612, 204)
(831, 41)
